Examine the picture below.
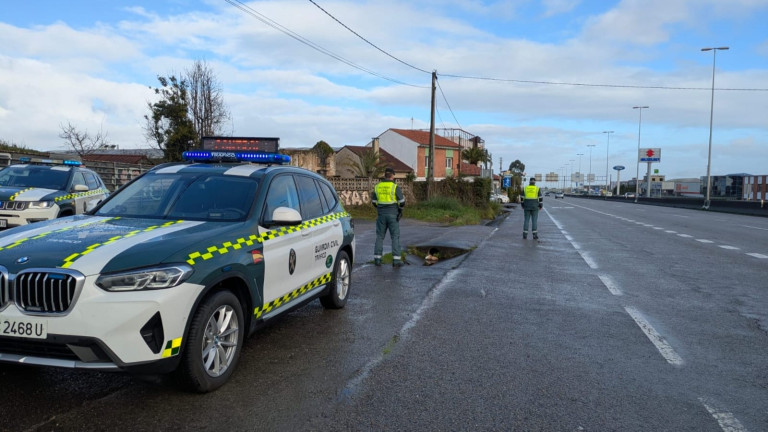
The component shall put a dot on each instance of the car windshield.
(35, 176)
(198, 196)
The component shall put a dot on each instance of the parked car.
(41, 189)
(629, 195)
(500, 198)
(172, 272)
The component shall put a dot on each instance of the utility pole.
(431, 158)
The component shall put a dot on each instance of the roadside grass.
(444, 210)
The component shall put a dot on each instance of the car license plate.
(3, 223)
(27, 327)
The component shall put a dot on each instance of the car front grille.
(13, 205)
(44, 292)
(5, 290)
(44, 349)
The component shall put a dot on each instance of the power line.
(367, 41)
(597, 85)
(277, 26)
(446, 102)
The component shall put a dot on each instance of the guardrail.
(754, 208)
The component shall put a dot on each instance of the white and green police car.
(43, 189)
(175, 269)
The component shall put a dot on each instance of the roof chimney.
(375, 145)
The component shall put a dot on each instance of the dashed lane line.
(729, 247)
(757, 255)
(664, 348)
(726, 420)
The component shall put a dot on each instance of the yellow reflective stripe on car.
(13, 197)
(322, 280)
(47, 233)
(80, 194)
(68, 261)
(225, 247)
(172, 348)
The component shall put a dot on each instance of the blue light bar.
(215, 156)
(26, 159)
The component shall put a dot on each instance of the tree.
(517, 169)
(168, 126)
(83, 143)
(369, 165)
(323, 151)
(475, 155)
(205, 101)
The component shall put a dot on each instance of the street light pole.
(589, 181)
(711, 115)
(579, 177)
(607, 186)
(570, 179)
(637, 176)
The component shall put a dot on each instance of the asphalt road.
(623, 317)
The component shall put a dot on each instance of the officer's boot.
(535, 235)
(525, 235)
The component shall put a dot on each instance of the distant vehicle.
(559, 195)
(500, 198)
(546, 193)
(38, 189)
(629, 195)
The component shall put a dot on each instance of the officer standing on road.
(389, 202)
(532, 203)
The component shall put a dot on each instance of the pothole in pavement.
(434, 254)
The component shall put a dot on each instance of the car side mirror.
(286, 216)
(79, 188)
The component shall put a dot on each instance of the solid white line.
(729, 247)
(610, 284)
(757, 255)
(704, 241)
(661, 344)
(726, 420)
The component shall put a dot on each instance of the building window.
(449, 162)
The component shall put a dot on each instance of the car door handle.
(305, 232)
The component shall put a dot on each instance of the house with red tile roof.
(348, 157)
(412, 147)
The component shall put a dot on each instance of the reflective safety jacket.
(387, 197)
(533, 197)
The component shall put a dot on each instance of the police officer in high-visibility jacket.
(388, 199)
(532, 203)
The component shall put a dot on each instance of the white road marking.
(757, 255)
(685, 235)
(588, 259)
(754, 227)
(661, 344)
(671, 232)
(704, 241)
(726, 420)
(658, 228)
(610, 284)
(729, 247)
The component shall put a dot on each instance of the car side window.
(330, 196)
(91, 181)
(311, 206)
(78, 179)
(282, 193)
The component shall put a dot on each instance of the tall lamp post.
(589, 181)
(579, 177)
(608, 145)
(637, 176)
(570, 179)
(711, 114)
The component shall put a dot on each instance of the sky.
(540, 81)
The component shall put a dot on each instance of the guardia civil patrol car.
(41, 189)
(175, 269)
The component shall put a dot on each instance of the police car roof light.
(216, 156)
(27, 159)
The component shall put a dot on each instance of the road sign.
(506, 182)
(650, 155)
(618, 167)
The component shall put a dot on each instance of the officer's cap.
(533, 179)
(389, 170)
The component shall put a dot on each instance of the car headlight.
(40, 204)
(145, 279)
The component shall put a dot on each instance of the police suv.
(42, 189)
(175, 269)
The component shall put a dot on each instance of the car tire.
(338, 289)
(213, 343)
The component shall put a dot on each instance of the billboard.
(649, 155)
